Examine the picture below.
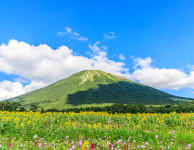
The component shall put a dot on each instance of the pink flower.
(10, 145)
(143, 146)
(189, 145)
(80, 142)
(40, 145)
(174, 137)
(146, 143)
(119, 141)
(73, 147)
(71, 142)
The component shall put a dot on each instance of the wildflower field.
(96, 130)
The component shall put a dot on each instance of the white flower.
(35, 136)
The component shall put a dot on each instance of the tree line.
(116, 108)
(135, 108)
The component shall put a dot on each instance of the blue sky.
(159, 34)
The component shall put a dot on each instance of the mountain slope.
(93, 86)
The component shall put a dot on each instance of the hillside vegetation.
(93, 87)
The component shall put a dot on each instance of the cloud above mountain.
(42, 65)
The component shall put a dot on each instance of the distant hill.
(94, 87)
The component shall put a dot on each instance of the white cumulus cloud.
(161, 78)
(11, 89)
(43, 65)
(40, 65)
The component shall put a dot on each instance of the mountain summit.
(93, 87)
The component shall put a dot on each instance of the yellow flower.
(22, 124)
(29, 122)
(106, 126)
(85, 144)
(16, 119)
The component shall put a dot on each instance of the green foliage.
(94, 88)
(133, 109)
(113, 108)
(10, 106)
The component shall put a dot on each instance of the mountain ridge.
(94, 87)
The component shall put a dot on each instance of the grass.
(96, 130)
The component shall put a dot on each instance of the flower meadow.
(96, 131)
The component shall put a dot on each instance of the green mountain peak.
(91, 87)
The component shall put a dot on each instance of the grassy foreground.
(96, 130)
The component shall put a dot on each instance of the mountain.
(94, 87)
